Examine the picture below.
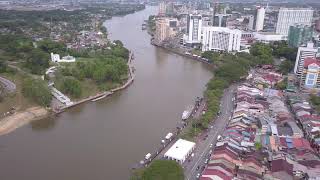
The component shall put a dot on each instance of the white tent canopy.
(180, 150)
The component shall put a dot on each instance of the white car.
(198, 175)
(219, 138)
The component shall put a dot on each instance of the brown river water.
(103, 140)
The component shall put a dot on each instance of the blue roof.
(288, 140)
(290, 145)
(267, 140)
(245, 133)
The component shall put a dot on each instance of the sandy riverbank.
(10, 123)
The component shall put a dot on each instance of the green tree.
(286, 66)
(263, 52)
(211, 56)
(50, 46)
(37, 90)
(37, 61)
(258, 146)
(71, 86)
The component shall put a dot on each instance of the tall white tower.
(194, 28)
(260, 18)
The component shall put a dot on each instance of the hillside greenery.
(37, 90)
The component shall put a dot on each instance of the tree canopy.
(71, 86)
(263, 52)
(37, 90)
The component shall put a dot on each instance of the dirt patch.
(10, 123)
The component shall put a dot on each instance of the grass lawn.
(160, 170)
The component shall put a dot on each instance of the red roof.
(283, 142)
(281, 165)
(222, 166)
(309, 61)
(216, 173)
(301, 143)
(226, 152)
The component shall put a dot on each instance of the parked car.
(198, 175)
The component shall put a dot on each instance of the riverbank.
(104, 94)
(183, 53)
(10, 123)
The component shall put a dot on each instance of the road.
(8, 85)
(201, 153)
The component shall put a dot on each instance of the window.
(311, 79)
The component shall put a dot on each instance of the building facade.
(299, 35)
(304, 52)
(251, 22)
(194, 24)
(162, 8)
(317, 25)
(309, 78)
(165, 28)
(260, 19)
(220, 20)
(220, 39)
(291, 16)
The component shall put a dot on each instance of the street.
(201, 153)
(8, 85)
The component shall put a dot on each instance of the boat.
(186, 113)
(97, 99)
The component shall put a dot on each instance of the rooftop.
(180, 149)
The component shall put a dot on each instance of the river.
(102, 140)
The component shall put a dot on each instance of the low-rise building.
(180, 150)
(268, 37)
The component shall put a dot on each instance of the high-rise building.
(291, 16)
(220, 20)
(165, 28)
(169, 9)
(220, 39)
(260, 19)
(299, 35)
(304, 52)
(251, 22)
(162, 8)
(317, 26)
(194, 24)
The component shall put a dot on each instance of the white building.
(180, 150)
(303, 53)
(56, 58)
(267, 37)
(291, 16)
(162, 8)
(220, 39)
(260, 18)
(194, 24)
(251, 22)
